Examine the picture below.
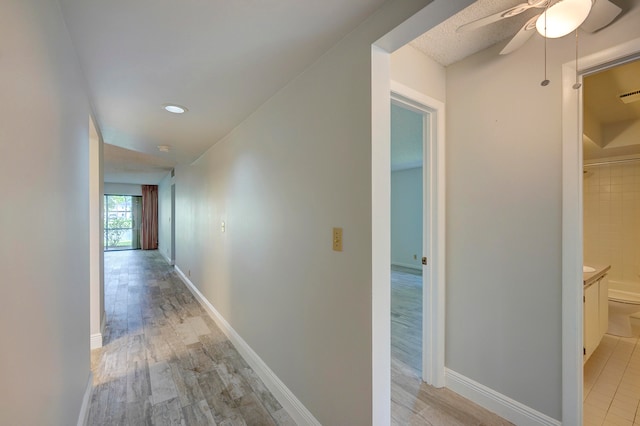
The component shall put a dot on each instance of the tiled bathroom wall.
(612, 219)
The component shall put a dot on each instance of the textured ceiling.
(445, 45)
(220, 58)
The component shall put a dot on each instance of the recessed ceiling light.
(175, 109)
(164, 148)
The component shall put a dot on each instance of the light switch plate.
(337, 239)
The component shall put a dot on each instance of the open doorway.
(417, 246)
(611, 231)
(576, 124)
(407, 136)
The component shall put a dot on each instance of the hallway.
(164, 361)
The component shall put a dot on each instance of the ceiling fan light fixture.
(563, 18)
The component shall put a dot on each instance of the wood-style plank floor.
(412, 401)
(164, 361)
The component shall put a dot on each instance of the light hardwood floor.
(164, 361)
(412, 401)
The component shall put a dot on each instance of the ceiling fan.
(557, 18)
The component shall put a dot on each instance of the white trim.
(285, 397)
(572, 375)
(433, 303)
(95, 341)
(380, 238)
(167, 258)
(86, 399)
(500, 404)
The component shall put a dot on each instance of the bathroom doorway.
(575, 117)
(417, 241)
(611, 232)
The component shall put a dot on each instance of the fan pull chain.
(577, 84)
(545, 82)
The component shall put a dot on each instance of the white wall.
(164, 216)
(300, 165)
(123, 189)
(414, 69)
(44, 255)
(504, 164)
(406, 217)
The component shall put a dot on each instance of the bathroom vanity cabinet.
(596, 309)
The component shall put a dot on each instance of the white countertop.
(591, 277)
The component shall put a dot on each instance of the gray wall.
(44, 255)
(406, 217)
(504, 212)
(504, 209)
(300, 165)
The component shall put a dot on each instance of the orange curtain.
(149, 228)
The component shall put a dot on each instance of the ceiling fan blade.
(521, 37)
(603, 12)
(512, 11)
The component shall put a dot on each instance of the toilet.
(622, 304)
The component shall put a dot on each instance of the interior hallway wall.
(504, 214)
(406, 217)
(44, 255)
(298, 166)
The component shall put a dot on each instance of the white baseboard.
(95, 341)
(407, 265)
(169, 261)
(86, 400)
(494, 401)
(285, 397)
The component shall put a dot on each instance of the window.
(121, 222)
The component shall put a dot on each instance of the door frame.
(572, 210)
(173, 224)
(433, 225)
